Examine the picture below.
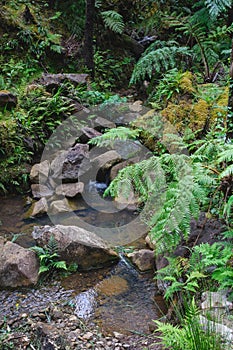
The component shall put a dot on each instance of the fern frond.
(157, 61)
(52, 246)
(216, 7)
(227, 172)
(113, 20)
(116, 134)
(226, 155)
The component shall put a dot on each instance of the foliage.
(44, 113)
(158, 58)
(110, 72)
(49, 257)
(113, 20)
(216, 7)
(179, 277)
(217, 259)
(120, 134)
(172, 84)
(170, 191)
(190, 335)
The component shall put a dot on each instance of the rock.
(215, 300)
(88, 134)
(131, 203)
(106, 160)
(144, 259)
(18, 266)
(59, 206)
(224, 331)
(39, 191)
(69, 165)
(7, 99)
(150, 243)
(40, 207)
(54, 81)
(136, 106)
(101, 123)
(77, 245)
(57, 164)
(69, 190)
(40, 172)
(116, 168)
(88, 336)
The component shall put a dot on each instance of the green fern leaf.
(113, 20)
(216, 7)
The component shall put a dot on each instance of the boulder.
(52, 82)
(59, 206)
(7, 99)
(116, 168)
(69, 189)
(77, 245)
(136, 106)
(215, 300)
(88, 134)
(144, 259)
(18, 266)
(106, 160)
(131, 202)
(69, 165)
(40, 172)
(39, 191)
(39, 208)
(101, 123)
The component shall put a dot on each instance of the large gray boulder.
(77, 245)
(18, 266)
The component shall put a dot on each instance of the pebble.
(88, 336)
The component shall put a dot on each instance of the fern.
(113, 20)
(190, 335)
(216, 7)
(169, 192)
(226, 155)
(158, 60)
(52, 246)
(210, 255)
(49, 257)
(116, 134)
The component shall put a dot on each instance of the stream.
(116, 298)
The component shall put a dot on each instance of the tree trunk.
(88, 37)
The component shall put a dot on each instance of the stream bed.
(116, 298)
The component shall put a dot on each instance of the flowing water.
(117, 298)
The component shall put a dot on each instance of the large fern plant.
(158, 58)
(190, 335)
(170, 193)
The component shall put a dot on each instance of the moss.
(199, 115)
(187, 83)
(8, 133)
